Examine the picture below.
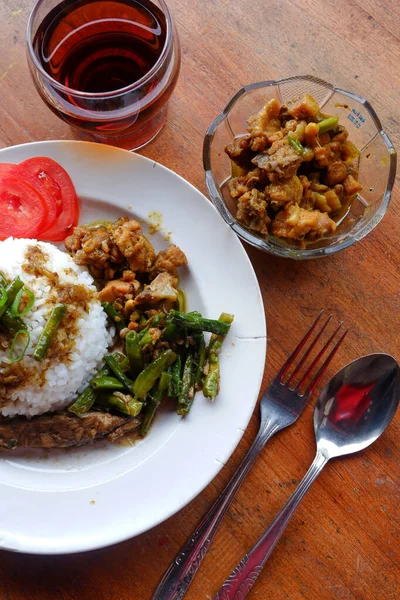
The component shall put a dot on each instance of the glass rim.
(98, 95)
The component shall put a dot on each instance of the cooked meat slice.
(117, 288)
(304, 108)
(295, 222)
(335, 173)
(341, 135)
(93, 246)
(239, 151)
(351, 186)
(160, 289)
(252, 211)
(281, 160)
(264, 124)
(168, 260)
(133, 245)
(63, 430)
(284, 191)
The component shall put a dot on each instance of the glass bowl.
(377, 167)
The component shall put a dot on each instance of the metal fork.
(281, 405)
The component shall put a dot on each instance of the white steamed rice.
(61, 382)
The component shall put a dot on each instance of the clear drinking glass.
(377, 166)
(106, 67)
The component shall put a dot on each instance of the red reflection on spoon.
(351, 403)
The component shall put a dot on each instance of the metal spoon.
(352, 411)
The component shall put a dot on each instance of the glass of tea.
(107, 67)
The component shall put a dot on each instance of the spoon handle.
(242, 578)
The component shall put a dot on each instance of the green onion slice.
(15, 305)
(17, 358)
(3, 298)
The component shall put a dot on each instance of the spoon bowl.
(357, 405)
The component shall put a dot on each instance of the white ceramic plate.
(81, 499)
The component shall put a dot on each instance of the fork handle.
(182, 570)
(243, 577)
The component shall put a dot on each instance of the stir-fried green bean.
(154, 402)
(147, 378)
(201, 358)
(212, 379)
(187, 391)
(12, 290)
(49, 332)
(134, 352)
(175, 383)
(125, 404)
(84, 402)
(115, 366)
(107, 382)
(196, 322)
(328, 124)
(114, 316)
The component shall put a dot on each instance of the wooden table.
(344, 540)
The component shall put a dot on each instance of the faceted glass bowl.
(377, 167)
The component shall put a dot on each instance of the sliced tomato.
(58, 183)
(23, 209)
(39, 185)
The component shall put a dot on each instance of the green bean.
(134, 352)
(107, 382)
(114, 316)
(13, 324)
(196, 322)
(3, 280)
(147, 378)
(49, 332)
(328, 124)
(3, 298)
(84, 402)
(187, 391)
(175, 383)
(296, 145)
(12, 290)
(125, 404)
(115, 367)
(212, 379)
(154, 402)
(201, 359)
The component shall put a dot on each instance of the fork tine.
(324, 366)
(307, 353)
(298, 348)
(317, 358)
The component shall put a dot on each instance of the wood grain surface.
(344, 540)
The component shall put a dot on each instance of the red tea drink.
(111, 65)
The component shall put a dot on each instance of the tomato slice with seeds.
(23, 210)
(58, 183)
(39, 185)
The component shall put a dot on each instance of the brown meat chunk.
(295, 223)
(335, 173)
(161, 289)
(168, 260)
(117, 288)
(252, 211)
(351, 186)
(62, 430)
(281, 160)
(304, 108)
(245, 183)
(326, 154)
(93, 246)
(284, 191)
(239, 151)
(264, 124)
(133, 245)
